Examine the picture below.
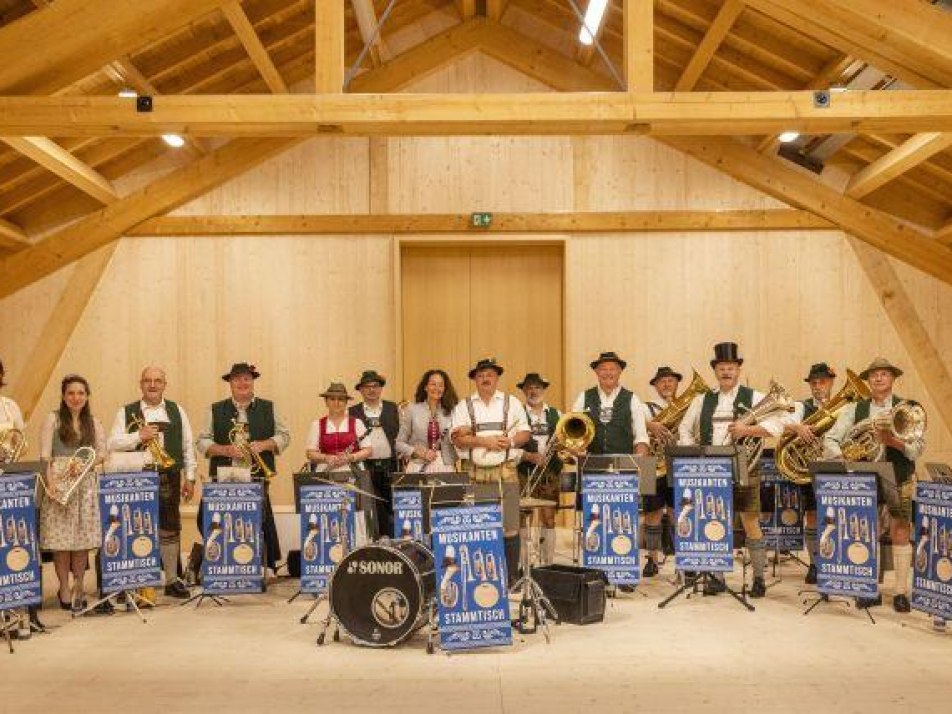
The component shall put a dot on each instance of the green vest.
(617, 436)
(742, 404)
(902, 465)
(809, 408)
(172, 436)
(261, 426)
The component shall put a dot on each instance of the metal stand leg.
(6, 625)
(534, 606)
(433, 628)
(314, 605)
(694, 586)
(132, 598)
(201, 597)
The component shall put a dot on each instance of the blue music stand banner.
(610, 526)
(471, 579)
(704, 513)
(129, 512)
(328, 528)
(932, 560)
(784, 528)
(408, 514)
(231, 522)
(848, 534)
(20, 583)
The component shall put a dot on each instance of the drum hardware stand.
(828, 599)
(434, 627)
(534, 606)
(133, 598)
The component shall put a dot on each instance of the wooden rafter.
(944, 235)
(367, 24)
(12, 236)
(249, 39)
(723, 21)
(639, 45)
(910, 153)
(329, 47)
(495, 9)
(467, 9)
(58, 160)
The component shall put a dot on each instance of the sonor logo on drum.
(375, 567)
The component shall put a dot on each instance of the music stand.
(940, 473)
(740, 477)
(439, 489)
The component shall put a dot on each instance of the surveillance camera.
(143, 104)
(821, 99)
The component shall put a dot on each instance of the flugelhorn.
(793, 454)
(238, 437)
(670, 417)
(907, 421)
(776, 401)
(160, 457)
(573, 433)
(12, 445)
(64, 476)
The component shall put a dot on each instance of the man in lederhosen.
(267, 432)
(154, 417)
(712, 420)
(382, 420)
(489, 429)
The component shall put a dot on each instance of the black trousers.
(380, 470)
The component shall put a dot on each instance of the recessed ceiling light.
(788, 136)
(128, 93)
(173, 140)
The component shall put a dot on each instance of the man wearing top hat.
(881, 374)
(489, 429)
(820, 378)
(665, 383)
(382, 419)
(267, 432)
(542, 419)
(712, 420)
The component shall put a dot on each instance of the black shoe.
(35, 623)
(714, 586)
(864, 603)
(104, 608)
(177, 590)
(810, 579)
(901, 603)
(627, 588)
(65, 605)
(651, 568)
(758, 589)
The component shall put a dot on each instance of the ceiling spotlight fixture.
(593, 20)
(128, 93)
(788, 136)
(173, 140)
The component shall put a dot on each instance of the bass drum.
(380, 593)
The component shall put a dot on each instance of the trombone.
(238, 437)
(160, 457)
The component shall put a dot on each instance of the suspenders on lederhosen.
(476, 428)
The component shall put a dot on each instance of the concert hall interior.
(310, 199)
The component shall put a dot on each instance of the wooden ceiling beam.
(944, 235)
(723, 21)
(495, 9)
(366, 17)
(79, 37)
(910, 153)
(329, 47)
(467, 9)
(59, 161)
(12, 236)
(639, 51)
(249, 39)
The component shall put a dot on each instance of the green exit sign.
(481, 220)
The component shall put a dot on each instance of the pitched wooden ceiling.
(262, 46)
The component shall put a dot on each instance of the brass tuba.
(776, 401)
(238, 437)
(794, 455)
(160, 457)
(64, 475)
(671, 417)
(12, 445)
(906, 421)
(573, 433)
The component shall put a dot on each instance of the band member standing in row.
(881, 376)
(489, 430)
(820, 379)
(268, 435)
(152, 418)
(542, 419)
(382, 420)
(423, 439)
(665, 383)
(712, 420)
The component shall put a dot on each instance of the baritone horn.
(670, 417)
(160, 457)
(573, 433)
(12, 445)
(907, 421)
(793, 455)
(64, 475)
(776, 401)
(238, 437)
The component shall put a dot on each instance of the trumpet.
(906, 421)
(63, 479)
(12, 445)
(238, 437)
(160, 457)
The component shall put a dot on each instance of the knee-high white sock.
(171, 551)
(902, 562)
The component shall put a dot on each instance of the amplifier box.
(578, 594)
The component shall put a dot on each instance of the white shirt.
(537, 420)
(847, 420)
(314, 438)
(378, 437)
(122, 440)
(638, 411)
(281, 436)
(491, 413)
(10, 414)
(689, 432)
(663, 403)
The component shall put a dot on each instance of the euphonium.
(906, 421)
(776, 401)
(64, 476)
(160, 457)
(12, 445)
(793, 455)
(671, 417)
(238, 437)
(573, 433)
